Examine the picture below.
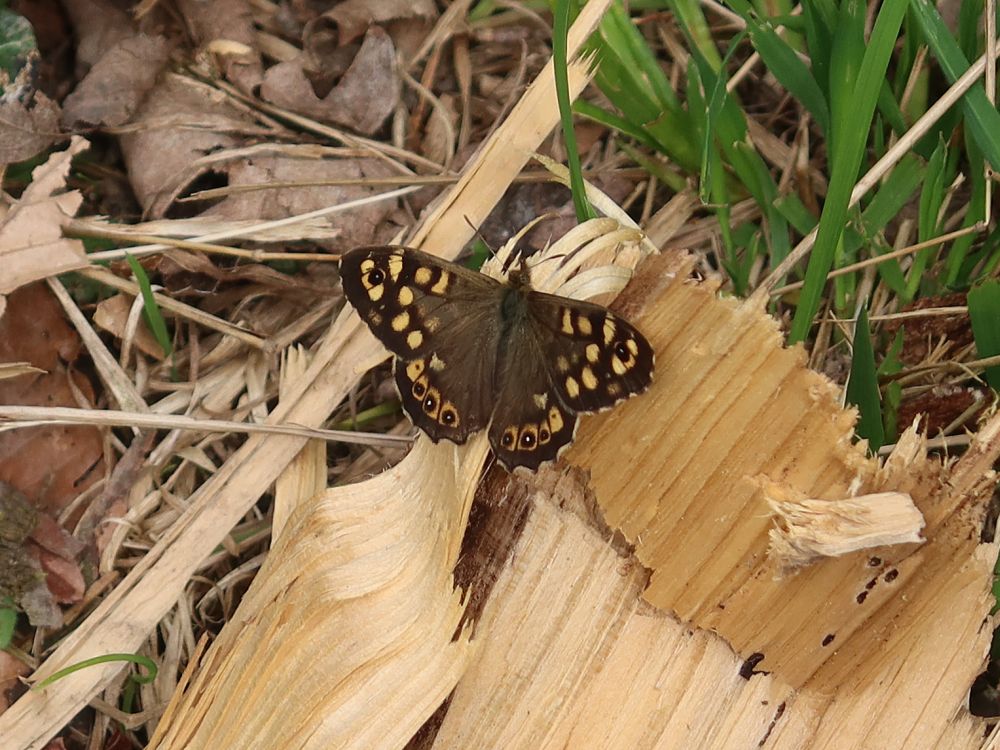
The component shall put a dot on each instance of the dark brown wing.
(530, 423)
(595, 358)
(441, 321)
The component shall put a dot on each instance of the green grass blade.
(560, 30)
(862, 388)
(892, 394)
(143, 661)
(782, 60)
(984, 311)
(8, 621)
(850, 125)
(149, 306)
(981, 118)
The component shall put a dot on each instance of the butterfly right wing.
(439, 319)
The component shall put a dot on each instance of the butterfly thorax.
(514, 306)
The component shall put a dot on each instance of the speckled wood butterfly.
(472, 352)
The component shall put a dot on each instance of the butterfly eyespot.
(527, 440)
(419, 390)
(621, 351)
(448, 416)
(429, 403)
(509, 437)
(543, 435)
(376, 276)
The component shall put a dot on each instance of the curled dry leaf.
(354, 17)
(112, 315)
(112, 90)
(98, 25)
(365, 96)
(178, 125)
(355, 228)
(232, 21)
(32, 246)
(27, 128)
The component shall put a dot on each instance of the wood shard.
(807, 529)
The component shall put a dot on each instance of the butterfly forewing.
(426, 311)
(595, 358)
(409, 299)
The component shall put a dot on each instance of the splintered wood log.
(625, 598)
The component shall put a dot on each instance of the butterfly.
(473, 353)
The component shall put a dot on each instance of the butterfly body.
(474, 353)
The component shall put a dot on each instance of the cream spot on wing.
(555, 420)
(593, 353)
(437, 364)
(415, 369)
(367, 264)
(422, 276)
(401, 322)
(572, 387)
(567, 321)
(541, 400)
(618, 366)
(376, 292)
(562, 364)
(589, 379)
(405, 296)
(442, 284)
(632, 346)
(583, 325)
(432, 324)
(395, 266)
(609, 330)
(414, 339)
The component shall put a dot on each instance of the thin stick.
(978, 227)
(12, 417)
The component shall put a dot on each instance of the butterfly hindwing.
(595, 358)
(448, 393)
(426, 311)
(530, 424)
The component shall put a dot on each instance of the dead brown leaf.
(354, 17)
(27, 128)
(31, 243)
(112, 90)
(112, 315)
(228, 21)
(98, 25)
(11, 669)
(356, 228)
(52, 463)
(179, 123)
(365, 96)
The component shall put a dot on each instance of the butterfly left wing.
(595, 358)
(440, 320)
